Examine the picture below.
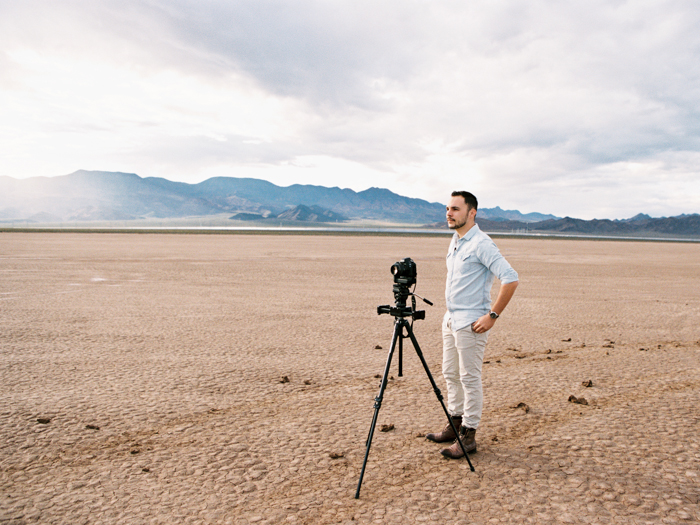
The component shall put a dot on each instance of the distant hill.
(497, 214)
(103, 196)
(681, 226)
(310, 214)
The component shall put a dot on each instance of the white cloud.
(588, 109)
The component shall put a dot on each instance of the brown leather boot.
(468, 437)
(447, 433)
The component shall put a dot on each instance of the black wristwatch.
(493, 315)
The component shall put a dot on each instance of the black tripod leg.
(401, 353)
(378, 402)
(436, 389)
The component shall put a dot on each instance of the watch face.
(493, 315)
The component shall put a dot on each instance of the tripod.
(401, 312)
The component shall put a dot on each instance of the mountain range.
(104, 196)
(87, 196)
(680, 226)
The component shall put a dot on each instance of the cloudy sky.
(586, 108)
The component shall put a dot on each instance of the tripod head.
(401, 309)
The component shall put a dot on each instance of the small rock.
(43, 420)
(284, 379)
(135, 451)
(387, 428)
(145, 469)
(567, 340)
(92, 427)
(578, 400)
(588, 383)
(307, 381)
(336, 455)
(523, 406)
(378, 376)
(494, 438)
(378, 347)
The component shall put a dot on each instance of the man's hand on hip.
(483, 324)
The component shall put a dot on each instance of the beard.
(457, 225)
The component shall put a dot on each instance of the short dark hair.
(468, 198)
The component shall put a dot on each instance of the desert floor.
(142, 381)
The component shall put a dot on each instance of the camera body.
(404, 272)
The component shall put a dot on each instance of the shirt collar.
(467, 236)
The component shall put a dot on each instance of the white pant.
(462, 357)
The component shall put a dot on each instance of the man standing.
(473, 260)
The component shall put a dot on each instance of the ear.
(471, 213)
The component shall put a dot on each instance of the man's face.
(457, 213)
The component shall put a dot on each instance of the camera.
(404, 272)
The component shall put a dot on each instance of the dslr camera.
(404, 272)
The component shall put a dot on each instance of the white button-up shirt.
(472, 263)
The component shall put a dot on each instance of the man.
(473, 260)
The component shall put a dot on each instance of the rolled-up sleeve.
(491, 257)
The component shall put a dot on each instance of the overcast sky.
(586, 108)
